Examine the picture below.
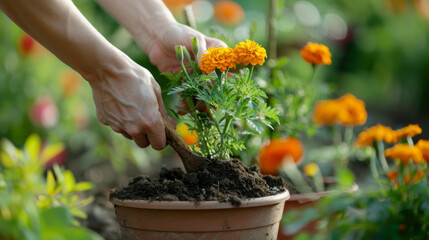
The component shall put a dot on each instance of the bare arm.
(156, 31)
(126, 96)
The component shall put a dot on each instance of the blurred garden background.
(380, 54)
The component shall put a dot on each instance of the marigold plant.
(188, 135)
(230, 99)
(404, 153)
(346, 110)
(423, 145)
(375, 134)
(317, 54)
(408, 131)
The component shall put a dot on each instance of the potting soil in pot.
(218, 180)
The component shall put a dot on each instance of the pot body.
(256, 219)
(303, 201)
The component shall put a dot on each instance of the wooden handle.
(190, 159)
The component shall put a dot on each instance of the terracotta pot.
(303, 201)
(256, 219)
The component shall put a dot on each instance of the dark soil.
(218, 180)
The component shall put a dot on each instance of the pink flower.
(44, 112)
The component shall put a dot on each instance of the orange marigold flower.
(375, 134)
(392, 175)
(353, 110)
(221, 58)
(250, 52)
(228, 12)
(404, 153)
(189, 136)
(316, 54)
(410, 130)
(311, 169)
(272, 155)
(423, 145)
(326, 112)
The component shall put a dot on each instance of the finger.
(126, 135)
(141, 141)
(214, 42)
(156, 133)
(202, 46)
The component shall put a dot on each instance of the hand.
(160, 46)
(128, 99)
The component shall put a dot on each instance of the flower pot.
(303, 201)
(256, 219)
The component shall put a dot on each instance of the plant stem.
(410, 141)
(272, 32)
(373, 168)
(348, 136)
(227, 124)
(200, 127)
(336, 135)
(381, 157)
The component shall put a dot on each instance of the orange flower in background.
(189, 136)
(250, 52)
(392, 175)
(218, 58)
(411, 130)
(272, 155)
(404, 153)
(318, 54)
(353, 110)
(326, 112)
(419, 175)
(228, 12)
(375, 134)
(423, 145)
(70, 82)
(177, 5)
(28, 46)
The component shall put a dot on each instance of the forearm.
(60, 27)
(142, 18)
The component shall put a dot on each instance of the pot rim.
(306, 197)
(187, 205)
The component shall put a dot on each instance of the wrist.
(107, 65)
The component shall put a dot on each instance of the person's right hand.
(128, 99)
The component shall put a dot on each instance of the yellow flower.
(375, 134)
(352, 111)
(190, 137)
(250, 52)
(326, 112)
(272, 155)
(316, 54)
(220, 58)
(404, 153)
(311, 169)
(423, 145)
(410, 130)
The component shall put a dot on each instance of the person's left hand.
(160, 47)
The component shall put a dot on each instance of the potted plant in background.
(224, 199)
(395, 207)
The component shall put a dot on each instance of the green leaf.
(50, 183)
(51, 151)
(76, 212)
(69, 182)
(32, 146)
(82, 186)
(195, 47)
